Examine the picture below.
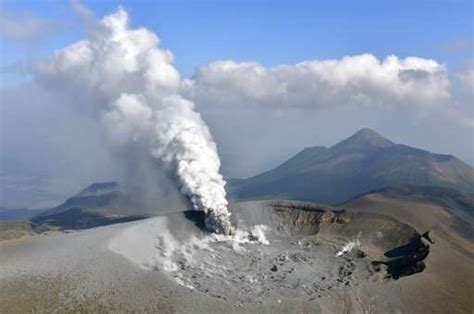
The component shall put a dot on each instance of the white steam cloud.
(348, 247)
(138, 90)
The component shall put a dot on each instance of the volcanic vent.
(281, 250)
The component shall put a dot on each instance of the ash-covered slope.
(452, 200)
(364, 162)
(446, 212)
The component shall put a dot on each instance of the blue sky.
(37, 132)
(274, 32)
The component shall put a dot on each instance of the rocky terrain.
(287, 257)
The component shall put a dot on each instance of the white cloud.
(461, 118)
(361, 80)
(25, 27)
(82, 10)
(461, 111)
(466, 77)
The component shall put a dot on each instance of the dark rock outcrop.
(407, 259)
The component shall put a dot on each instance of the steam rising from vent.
(136, 89)
(348, 247)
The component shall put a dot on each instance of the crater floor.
(301, 267)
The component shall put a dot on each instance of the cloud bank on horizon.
(360, 80)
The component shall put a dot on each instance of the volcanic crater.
(287, 250)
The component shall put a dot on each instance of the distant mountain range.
(104, 195)
(17, 213)
(364, 162)
(99, 204)
(353, 171)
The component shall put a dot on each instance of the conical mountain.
(364, 162)
(365, 139)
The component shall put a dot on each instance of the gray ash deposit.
(281, 250)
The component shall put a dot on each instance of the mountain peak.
(363, 139)
(366, 132)
(99, 188)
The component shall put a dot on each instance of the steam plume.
(136, 88)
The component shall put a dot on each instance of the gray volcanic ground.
(279, 257)
(286, 256)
